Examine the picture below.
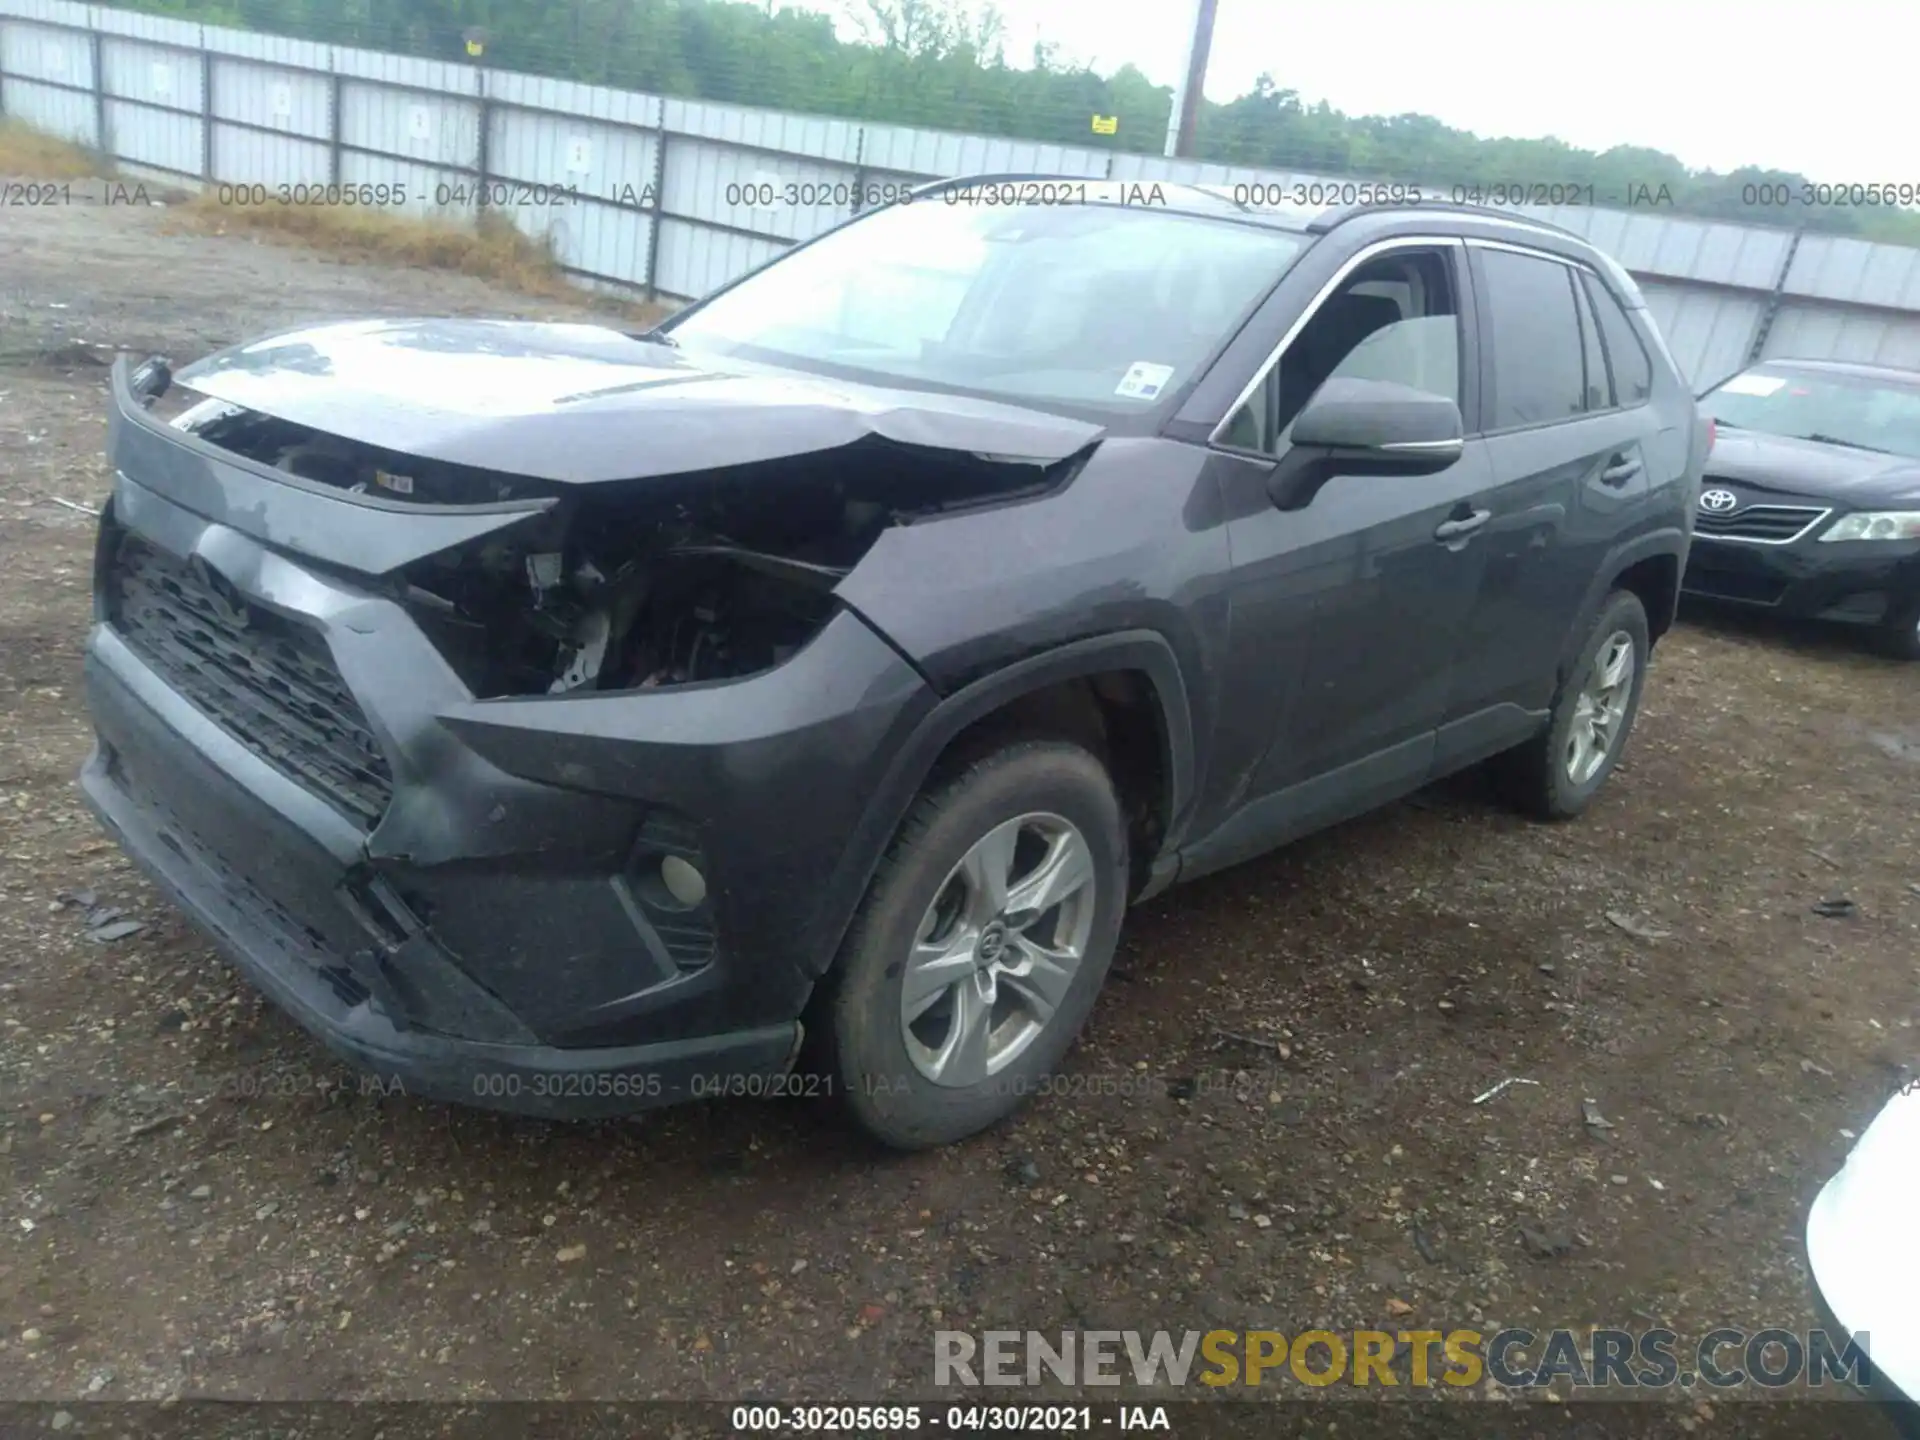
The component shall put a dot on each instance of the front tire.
(1556, 776)
(985, 936)
(1898, 636)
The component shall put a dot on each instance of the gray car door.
(1366, 586)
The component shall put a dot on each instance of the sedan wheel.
(1899, 635)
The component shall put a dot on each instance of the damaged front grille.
(270, 683)
(243, 901)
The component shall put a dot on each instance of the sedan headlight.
(1876, 525)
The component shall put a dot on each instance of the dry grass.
(492, 249)
(34, 155)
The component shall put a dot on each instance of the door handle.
(1620, 469)
(1456, 529)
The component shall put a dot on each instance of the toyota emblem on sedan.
(1718, 502)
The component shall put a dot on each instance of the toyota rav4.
(567, 721)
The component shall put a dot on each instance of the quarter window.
(1632, 370)
(1599, 386)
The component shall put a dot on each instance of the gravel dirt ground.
(1268, 1124)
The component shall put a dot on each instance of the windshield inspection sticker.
(1143, 380)
(1753, 385)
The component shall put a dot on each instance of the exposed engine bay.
(593, 603)
(680, 580)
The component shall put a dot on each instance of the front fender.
(1144, 651)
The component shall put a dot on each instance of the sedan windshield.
(1831, 406)
(1097, 306)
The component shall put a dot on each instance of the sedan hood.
(1855, 478)
(583, 403)
(1863, 1248)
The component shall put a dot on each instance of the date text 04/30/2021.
(950, 1419)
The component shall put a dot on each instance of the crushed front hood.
(582, 403)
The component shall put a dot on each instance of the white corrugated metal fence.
(674, 197)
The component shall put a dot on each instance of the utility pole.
(1193, 79)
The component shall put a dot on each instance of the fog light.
(684, 883)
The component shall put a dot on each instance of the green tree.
(941, 64)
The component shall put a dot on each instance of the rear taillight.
(1713, 429)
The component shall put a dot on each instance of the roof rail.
(1340, 215)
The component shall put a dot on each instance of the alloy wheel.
(998, 949)
(1600, 710)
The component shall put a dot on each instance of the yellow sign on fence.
(1106, 124)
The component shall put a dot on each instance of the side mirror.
(1366, 427)
(151, 379)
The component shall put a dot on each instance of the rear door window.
(1539, 361)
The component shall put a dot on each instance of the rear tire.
(1898, 636)
(918, 1071)
(1556, 775)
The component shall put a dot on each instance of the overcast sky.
(1827, 89)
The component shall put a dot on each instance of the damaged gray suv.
(568, 722)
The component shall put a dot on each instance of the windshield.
(1105, 307)
(1839, 408)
